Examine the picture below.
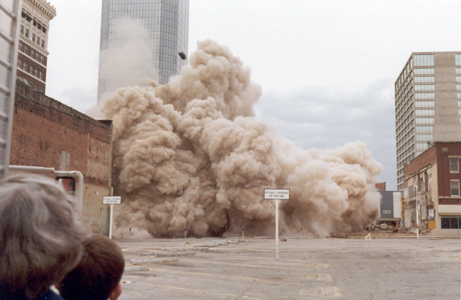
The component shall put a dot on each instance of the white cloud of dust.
(189, 155)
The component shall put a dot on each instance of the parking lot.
(342, 268)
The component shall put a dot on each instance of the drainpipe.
(74, 174)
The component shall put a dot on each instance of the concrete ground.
(342, 268)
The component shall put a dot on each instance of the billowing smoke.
(189, 155)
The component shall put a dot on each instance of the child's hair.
(98, 273)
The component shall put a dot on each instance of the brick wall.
(47, 133)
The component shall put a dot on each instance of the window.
(454, 165)
(424, 129)
(426, 112)
(427, 87)
(425, 104)
(428, 79)
(450, 222)
(423, 60)
(33, 37)
(422, 146)
(458, 59)
(424, 95)
(22, 29)
(27, 32)
(454, 187)
(427, 71)
(424, 120)
(424, 137)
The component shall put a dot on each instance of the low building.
(390, 209)
(51, 135)
(432, 189)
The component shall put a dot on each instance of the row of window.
(424, 95)
(425, 71)
(35, 39)
(427, 79)
(424, 137)
(35, 22)
(31, 53)
(424, 120)
(422, 146)
(426, 87)
(30, 69)
(425, 112)
(424, 128)
(424, 103)
(423, 60)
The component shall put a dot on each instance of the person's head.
(40, 238)
(98, 274)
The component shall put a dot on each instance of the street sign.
(276, 194)
(111, 200)
(418, 198)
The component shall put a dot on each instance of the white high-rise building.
(141, 39)
(427, 104)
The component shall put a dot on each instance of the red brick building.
(434, 178)
(47, 133)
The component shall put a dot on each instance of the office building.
(427, 105)
(141, 40)
(33, 43)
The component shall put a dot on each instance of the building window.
(33, 37)
(454, 165)
(428, 79)
(426, 87)
(27, 32)
(424, 95)
(450, 222)
(422, 146)
(424, 120)
(425, 104)
(424, 60)
(425, 112)
(454, 188)
(424, 129)
(427, 71)
(458, 59)
(22, 29)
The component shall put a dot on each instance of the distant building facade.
(390, 208)
(33, 43)
(165, 25)
(433, 179)
(427, 105)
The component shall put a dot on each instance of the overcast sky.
(326, 67)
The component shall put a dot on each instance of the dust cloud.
(190, 156)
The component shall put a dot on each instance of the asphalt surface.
(341, 268)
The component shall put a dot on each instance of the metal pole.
(277, 228)
(111, 219)
(417, 222)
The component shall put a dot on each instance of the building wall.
(47, 133)
(430, 174)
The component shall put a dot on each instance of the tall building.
(33, 43)
(141, 40)
(427, 105)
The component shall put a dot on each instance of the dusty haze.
(189, 155)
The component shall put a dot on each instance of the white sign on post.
(111, 200)
(277, 195)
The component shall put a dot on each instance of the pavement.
(307, 268)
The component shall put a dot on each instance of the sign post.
(418, 203)
(277, 195)
(111, 200)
